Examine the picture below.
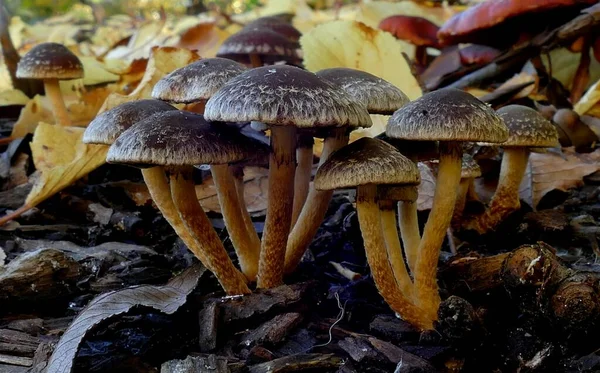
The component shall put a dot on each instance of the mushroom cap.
(109, 125)
(286, 96)
(380, 96)
(197, 81)
(278, 25)
(527, 127)
(269, 45)
(179, 138)
(470, 168)
(476, 54)
(50, 61)
(366, 161)
(471, 25)
(415, 30)
(447, 115)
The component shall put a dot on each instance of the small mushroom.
(178, 140)
(51, 63)
(256, 46)
(416, 30)
(285, 98)
(527, 129)
(451, 117)
(365, 164)
(278, 25)
(466, 190)
(196, 82)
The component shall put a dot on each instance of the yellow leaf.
(564, 66)
(356, 45)
(35, 111)
(588, 104)
(372, 12)
(13, 97)
(61, 159)
(204, 38)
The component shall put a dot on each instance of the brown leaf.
(205, 38)
(167, 299)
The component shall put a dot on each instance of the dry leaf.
(372, 12)
(205, 38)
(13, 97)
(167, 299)
(35, 111)
(589, 104)
(88, 105)
(564, 65)
(550, 171)
(61, 158)
(148, 35)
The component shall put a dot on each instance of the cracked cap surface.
(50, 61)
(527, 127)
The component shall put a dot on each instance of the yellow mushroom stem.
(196, 107)
(409, 228)
(233, 211)
(282, 168)
(239, 187)
(461, 201)
(394, 248)
(183, 191)
(369, 217)
(304, 156)
(506, 197)
(314, 209)
(472, 191)
(59, 109)
(425, 274)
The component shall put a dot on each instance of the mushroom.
(466, 190)
(285, 98)
(527, 129)
(365, 164)
(258, 45)
(278, 25)
(196, 82)
(178, 140)
(416, 30)
(51, 62)
(379, 97)
(451, 117)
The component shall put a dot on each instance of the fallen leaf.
(35, 111)
(88, 105)
(551, 171)
(589, 104)
(564, 65)
(167, 299)
(372, 12)
(13, 97)
(149, 35)
(204, 38)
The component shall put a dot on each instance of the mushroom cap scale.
(179, 138)
(379, 95)
(50, 61)
(268, 44)
(107, 126)
(363, 162)
(197, 81)
(447, 115)
(527, 127)
(286, 96)
(470, 168)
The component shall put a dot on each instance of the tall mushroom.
(51, 63)
(379, 97)
(365, 164)
(284, 98)
(527, 129)
(177, 140)
(451, 117)
(470, 170)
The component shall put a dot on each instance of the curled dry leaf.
(167, 299)
(589, 104)
(13, 97)
(551, 171)
(35, 111)
(205, 38)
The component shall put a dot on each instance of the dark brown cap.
(269, 45)
(415, 30)
(286, 96)
(379, 96)
(109, 125)
(278, 25)
(50, 61)
(366, 161)
(178, 138)
(527, 127)
(197, 81)
(447, 115)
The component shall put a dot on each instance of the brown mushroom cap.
(415, 30)
(366, 161)
(476, 54)
(179, 138)
(197, 81)
(380, 96)
(50, 61)
(527, 127)
(447, 115)
(475, 23)
(269, 45)
(109, 125)
(285, 95)
(278, 25)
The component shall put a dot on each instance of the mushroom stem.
(394, 249)
(255, 60)
(409, 229)
(61, 115)
(472, 191)
(239, 187)
(421, 55)
(461, 201)
(426, 289)
(314, 209)
(194, 218)
(506, 197)
(369, 217)
(233, 212)
(304, 155)
(282, 167)
(196, 107)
